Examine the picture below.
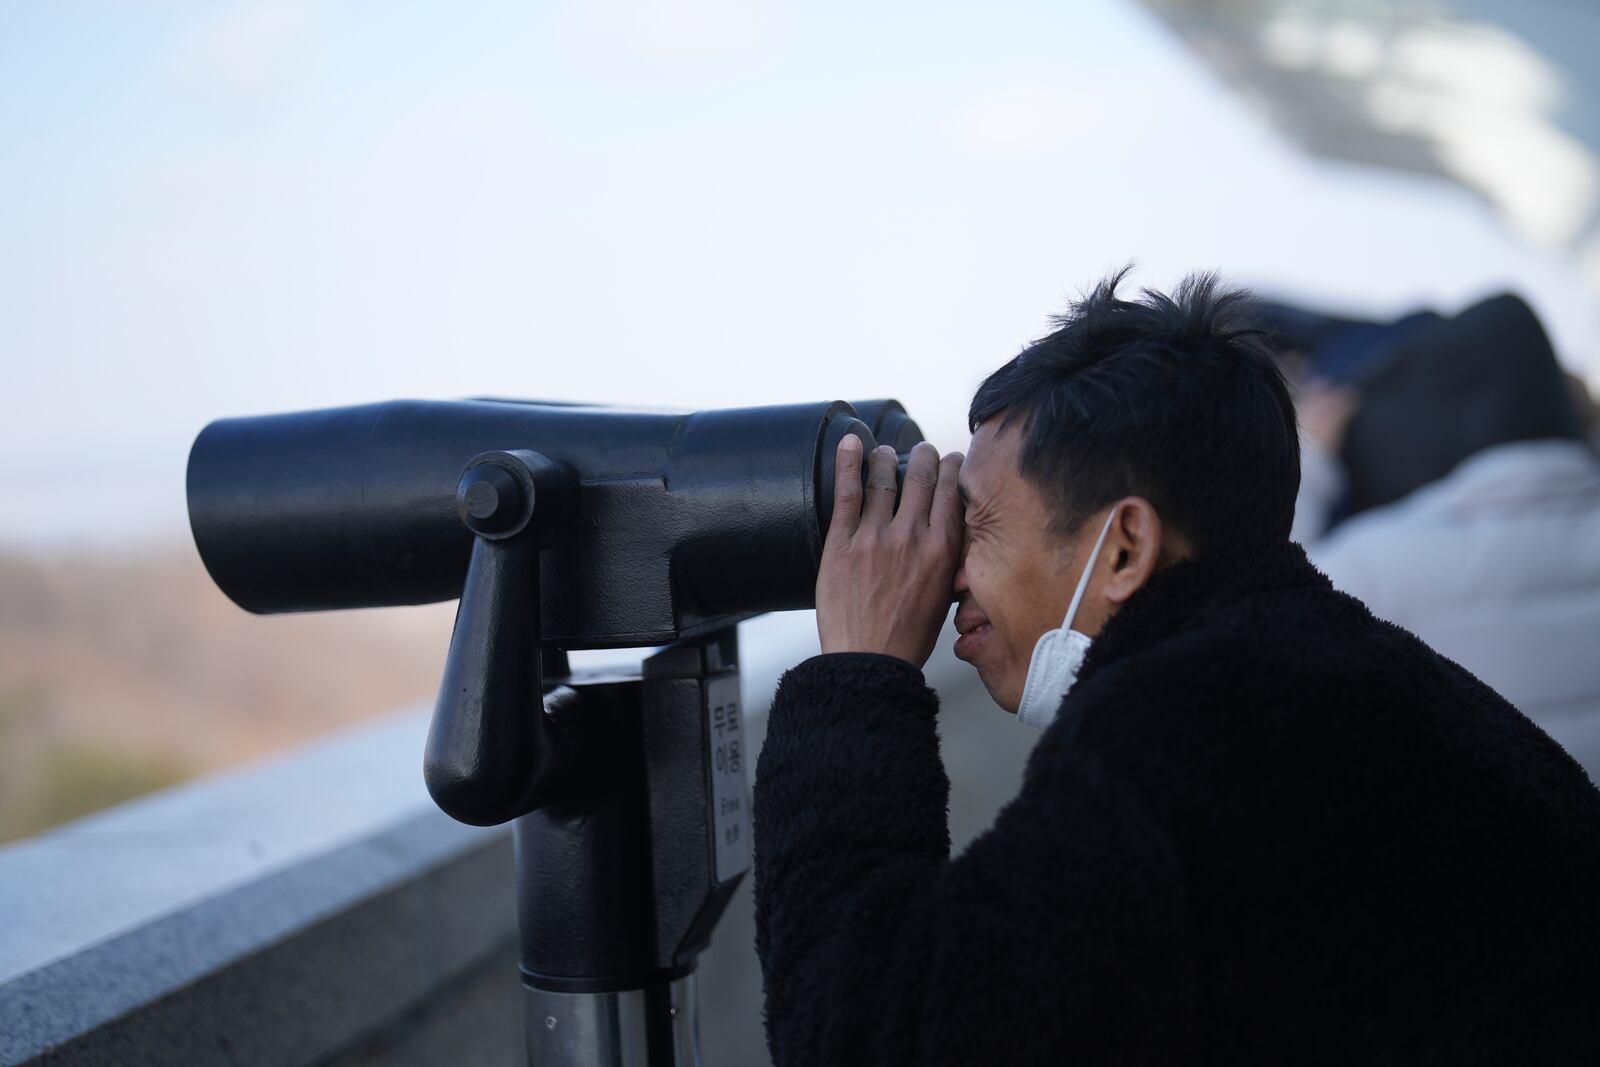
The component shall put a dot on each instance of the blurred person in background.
(1448, 481)
(1261, 825)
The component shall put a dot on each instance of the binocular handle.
(492, 754)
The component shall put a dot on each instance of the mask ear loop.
(1088, 570)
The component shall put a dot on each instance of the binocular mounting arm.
(492, 754)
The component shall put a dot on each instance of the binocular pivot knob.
(503, 494)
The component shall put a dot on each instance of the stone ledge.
(269, 914)
(289, 968)
(105, 875)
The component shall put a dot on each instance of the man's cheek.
(1011, 662)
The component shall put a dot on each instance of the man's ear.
(1133, 546)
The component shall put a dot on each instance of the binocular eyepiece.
(652, 526)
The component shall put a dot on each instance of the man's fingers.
(922, 474)
(846, 487)
(946, 512)
(882, 466)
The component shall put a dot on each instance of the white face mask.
(1059, 654)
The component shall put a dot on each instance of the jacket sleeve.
(1058, 933)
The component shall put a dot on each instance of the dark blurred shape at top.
(1434, 390)
(1433, 87)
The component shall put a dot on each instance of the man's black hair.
(1173, 398)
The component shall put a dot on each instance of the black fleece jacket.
(1265, 828)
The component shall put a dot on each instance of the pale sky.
(213, 209)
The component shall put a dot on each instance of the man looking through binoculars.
(1261, 825)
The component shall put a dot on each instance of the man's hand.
(886, 577)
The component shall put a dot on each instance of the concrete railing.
(317, 909)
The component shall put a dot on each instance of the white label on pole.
(730, 790)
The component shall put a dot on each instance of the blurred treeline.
(120, 675)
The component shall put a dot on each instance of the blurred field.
(120, 675)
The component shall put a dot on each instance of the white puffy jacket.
(1496, 565)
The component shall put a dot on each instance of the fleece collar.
(1181, 595)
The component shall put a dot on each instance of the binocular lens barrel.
(671, 523)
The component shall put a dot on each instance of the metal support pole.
(621, 879)
(629, 1028)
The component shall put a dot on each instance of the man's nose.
(958, 586)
